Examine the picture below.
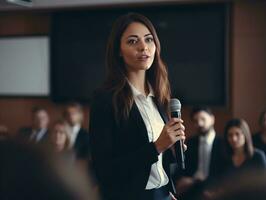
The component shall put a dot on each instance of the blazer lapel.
(137, 120)
(161, 111)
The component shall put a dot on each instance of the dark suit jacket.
(81, 145)
(256, 162)
(121, 153)
(258, 143)
(192, 153)
(25, 133)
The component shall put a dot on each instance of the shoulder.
(259, 158)
(194, 138)
(102, 100)
(25, 131)
(219, 140)
(193, 141)
(259, 154)
(83, 132)
(256, 136)
(102, 96)
(218, 137)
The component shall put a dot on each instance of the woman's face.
(137, 47)
(236, 138)
(59, 137)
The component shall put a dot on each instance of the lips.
(143, 57)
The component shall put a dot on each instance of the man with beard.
(203, 156)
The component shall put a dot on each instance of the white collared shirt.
(204, 155)
(75, 129)
(37, 135)
(154, 125)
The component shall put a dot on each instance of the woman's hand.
(172, 196)
(171, 133)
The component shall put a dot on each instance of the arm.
(113, 169)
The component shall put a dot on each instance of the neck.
(239, 151)
(207, 132)
(138, 80)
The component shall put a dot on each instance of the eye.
(149, 39)
(132, 41)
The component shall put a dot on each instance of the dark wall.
(248, 94)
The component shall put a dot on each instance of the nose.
(234, 138)
(142, 46)
(200, 124)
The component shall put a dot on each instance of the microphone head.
(175, 105)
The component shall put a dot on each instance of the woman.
(60, 137)
(240, 151)
(130, 142)
(242, 162)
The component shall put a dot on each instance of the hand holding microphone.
(173, 133)
(175, 109)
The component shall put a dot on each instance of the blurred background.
(52, 52)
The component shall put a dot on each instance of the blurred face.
(236, 138)
(73, 116)
(41, 119)
(58, 137)
(137, 47)
(203, 122)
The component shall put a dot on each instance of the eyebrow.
(138, 36)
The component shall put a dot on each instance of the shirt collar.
(76, 128)
(209, 137)
(137, 93)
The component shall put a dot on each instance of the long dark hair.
(116, 80)
(242, 124)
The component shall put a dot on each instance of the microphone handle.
(179, 148)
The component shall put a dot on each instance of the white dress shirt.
(74, 133)
(154, 125)
(204, 155)
(37, 135)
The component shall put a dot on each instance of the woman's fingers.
(173, 121)
(177, 127)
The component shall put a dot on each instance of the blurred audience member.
(242, 161)
(240, 152)
(3, 132)
(79, 137)
(203, 155)
(259, 139)
(60, 136)
(38, 133)
(28, 173)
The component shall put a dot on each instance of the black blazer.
(192, 153)
(121, 153)
(258, 143)
(24, 134)
(256, 162)
(81, 146)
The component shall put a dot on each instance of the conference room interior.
(44, 81)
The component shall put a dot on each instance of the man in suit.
(79, 138)
(204, 153)
(38, 132)
(259, 139)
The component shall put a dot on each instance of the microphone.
(175, 109)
